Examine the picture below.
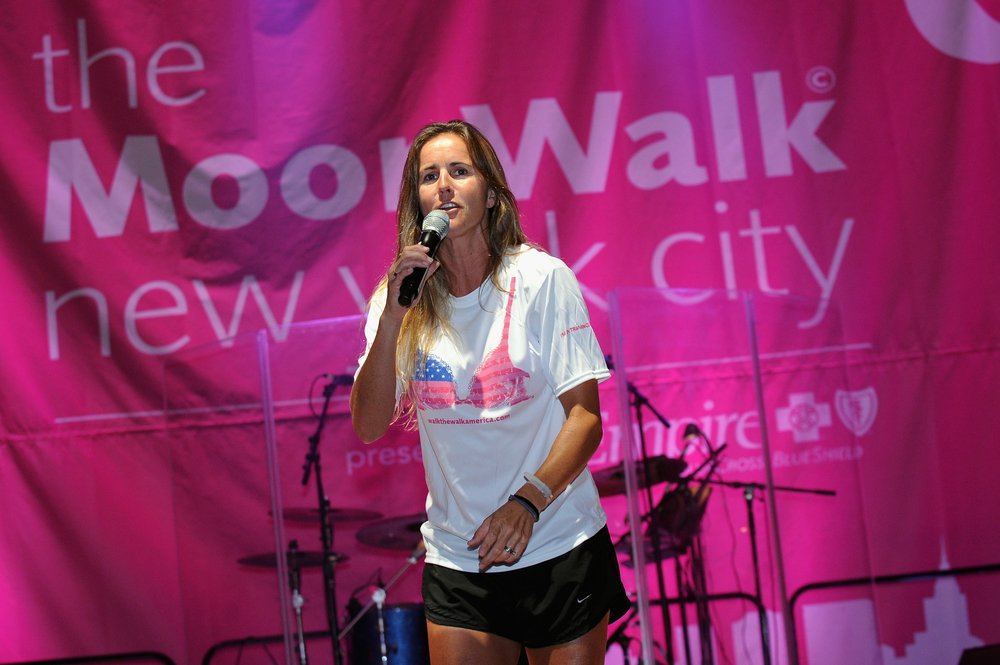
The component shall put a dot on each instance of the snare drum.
(405, 636)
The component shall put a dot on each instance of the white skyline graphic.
(840, 632)
(844, 632)
(948, 632)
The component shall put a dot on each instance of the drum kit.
(672, 526)
(393, 633)
(396, 633)
(674, 520)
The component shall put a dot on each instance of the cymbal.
(670, 547)
(336, 514)
(663, 469)
(307, 559)
(395, 533)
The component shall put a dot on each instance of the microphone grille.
(437, 221)
(691, 431)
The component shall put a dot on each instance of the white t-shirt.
(488, 408)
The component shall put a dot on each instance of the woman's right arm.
(373, 396)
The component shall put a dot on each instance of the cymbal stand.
(378, 597)
(699, 588)
(326, 524)
(638, 401)
(294, 582)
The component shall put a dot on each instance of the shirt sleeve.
(560, 321)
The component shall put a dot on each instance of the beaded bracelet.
(527, 505)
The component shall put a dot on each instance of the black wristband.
(527, 505)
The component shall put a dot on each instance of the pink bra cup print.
(497, 382)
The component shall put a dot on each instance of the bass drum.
(405, 636)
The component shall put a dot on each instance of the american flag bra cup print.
(496, 382)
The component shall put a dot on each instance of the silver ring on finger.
(510, 550)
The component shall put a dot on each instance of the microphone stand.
(748, 495)
(638, 401)
(699, 584)
(326, 525)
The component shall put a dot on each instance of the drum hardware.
(379, 594)
(395, 533)
(637, 401)
(698, 568)
(304, 558)
(295, 583)
(654, 469)
(678, 516)
(296, 560)
(749, 491)
(679, 512)
(661, 469)
(404, 631)
(379, 597)
(668, 547)
(675, 521)
(620, 640)
(311, 515)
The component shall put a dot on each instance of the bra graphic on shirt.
(497, 382)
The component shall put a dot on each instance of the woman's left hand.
(502, 536)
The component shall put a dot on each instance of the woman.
(496, 362)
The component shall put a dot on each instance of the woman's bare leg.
(588, 649)
(460, 646)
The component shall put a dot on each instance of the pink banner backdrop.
(178, 176)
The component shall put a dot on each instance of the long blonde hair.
(503, 232)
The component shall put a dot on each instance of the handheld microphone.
(432, 232)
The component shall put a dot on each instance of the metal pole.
(772, 504)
